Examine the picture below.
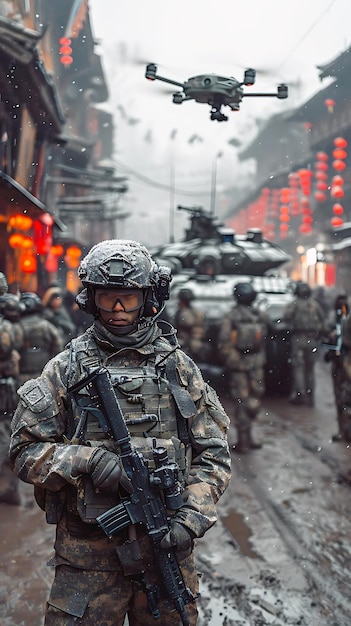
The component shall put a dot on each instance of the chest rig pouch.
(151, 414)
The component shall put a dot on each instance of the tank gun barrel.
(194, 210)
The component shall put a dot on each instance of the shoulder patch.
(36, 395)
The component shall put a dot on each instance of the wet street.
(280, 553)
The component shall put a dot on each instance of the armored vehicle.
(209, 261)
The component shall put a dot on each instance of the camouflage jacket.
(41, 451)
(305, 317)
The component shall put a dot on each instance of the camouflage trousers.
(8, 481)
(247, 389)
(105, 598)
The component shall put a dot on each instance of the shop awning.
(19, 197)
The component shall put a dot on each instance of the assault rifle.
(145, 504)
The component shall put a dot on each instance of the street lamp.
(214, 182)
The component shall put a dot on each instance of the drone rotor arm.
(168, 80)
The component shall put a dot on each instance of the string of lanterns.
(40, 243)
(337, 184)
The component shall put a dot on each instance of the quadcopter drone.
(217, 91)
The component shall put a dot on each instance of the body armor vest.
(148, 407)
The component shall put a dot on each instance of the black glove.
(104, 469)
(178, 537)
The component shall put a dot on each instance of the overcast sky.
(284, 41)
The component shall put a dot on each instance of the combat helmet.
(3, 284)
(123, 264)
(32, 302)
(185, 295)
(303, 290)
(244, 293)
(11, 307)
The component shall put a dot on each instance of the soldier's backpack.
(248, 335)
(306, 318)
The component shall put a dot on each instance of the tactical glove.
(178, 537)
(104, 469)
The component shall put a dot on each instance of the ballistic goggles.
(129, 299)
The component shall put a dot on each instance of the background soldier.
(59, 446)
(9, 372)
(335, 356)
(190, 325)
(41, 339)
(305, 318)
(242, 346)
(55, 311)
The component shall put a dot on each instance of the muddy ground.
(280, 552)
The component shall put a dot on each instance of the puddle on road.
(241, 532)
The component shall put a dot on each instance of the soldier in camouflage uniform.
(41, 339)
(9, 372)
(305, 318)
(76, 468)
(346, 384)
(242, 347)
(190, 325)
(335, 356)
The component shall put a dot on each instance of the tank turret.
(210, 247)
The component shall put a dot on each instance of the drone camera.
(282, 92)
(249, 77)
(151, 70)
(177, 98)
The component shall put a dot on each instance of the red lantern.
(320, 196)
(20, 221)
(336, 221)
(338, 209)
(284, 227)
(340, 142)
(339, 165)
(339, 153)
(321, 176)
(322, 165)
(28, 263)
(338, 180)
(305, 229)
(337, 192)
(16, 240)
(322, 186)
(57, 250)
(42, 237)
(330, 104)
(322, 156)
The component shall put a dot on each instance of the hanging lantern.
(284, 228)
(330, 104)
(42, 237)
(322, 166)
(320, 196)
(308, 126)
(321, 175)
(322, 186)
(57, 250)
(305, 229)
(16, 240)
(338, 180)
(307, 219)
(28, 263)
(51, 263)
(339, 153)
(20, 221)
(322, 156)
(339, 165)
(336, 221)
(27, 243)
(337, 192)
(340, 142)
(338, 209)
(72, 257)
